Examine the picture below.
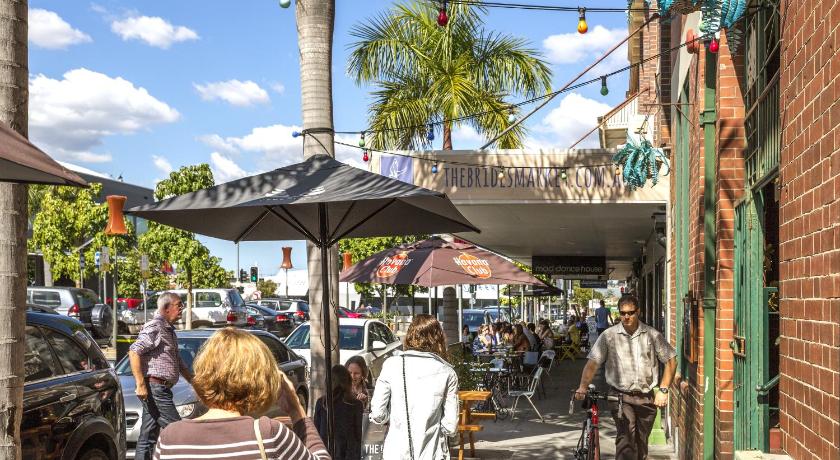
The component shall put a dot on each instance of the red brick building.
(753, 225)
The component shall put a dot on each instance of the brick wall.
(810, 230)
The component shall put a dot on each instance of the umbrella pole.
(325, 314)
(460, 310)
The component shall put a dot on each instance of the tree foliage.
(425, 73)
(268, 288)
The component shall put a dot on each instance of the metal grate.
(761, 157)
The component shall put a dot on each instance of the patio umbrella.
(23, 162)
(320, 200)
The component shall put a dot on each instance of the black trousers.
(633, 426)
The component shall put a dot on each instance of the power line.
(560, 8)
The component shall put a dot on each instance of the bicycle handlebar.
(591, 394)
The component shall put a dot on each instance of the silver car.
(188, 405)
(82, 304)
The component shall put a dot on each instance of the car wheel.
(93, 454)
(301, 394)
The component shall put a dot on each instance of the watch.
(663, 390)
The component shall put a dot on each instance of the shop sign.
(568, 266)
(390, 266)
(593, 284)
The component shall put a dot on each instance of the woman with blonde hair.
(417, 394)
(237, 378)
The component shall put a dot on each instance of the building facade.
(751, 126)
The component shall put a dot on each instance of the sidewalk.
(527, 438)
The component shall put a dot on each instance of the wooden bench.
(486, 415)
(469, 430)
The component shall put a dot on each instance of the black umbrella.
(321, 200)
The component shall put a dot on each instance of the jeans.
(158, 412)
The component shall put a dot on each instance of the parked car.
(211, 308)
(473, 318)
(295, 310)
(345, 312)
(129, 302)
(254, 320)
(369, 311)
(275, 322)
(72, 401)
(188, 405)
(82, 304)
(368, 338)
(496, 313)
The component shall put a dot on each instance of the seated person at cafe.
(520, 340)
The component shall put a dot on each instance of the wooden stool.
(470, 429)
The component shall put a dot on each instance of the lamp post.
(116, 226)
(286, 265)
(348, 262)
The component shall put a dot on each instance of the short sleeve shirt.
(157, 347)
(632, 361)
(602, 318)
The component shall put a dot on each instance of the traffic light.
(254, 274)
(243, 276)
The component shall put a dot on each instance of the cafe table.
(467, 418)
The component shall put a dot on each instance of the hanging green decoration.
(640, 161)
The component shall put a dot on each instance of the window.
(235, 298)
(47, 298)
(207, 299)
(349, 338)
(86, 299)
(70, 355)
(38, 360)
(277, 349)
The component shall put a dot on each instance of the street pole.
(460, 309)
(286, 270)
(114, 299)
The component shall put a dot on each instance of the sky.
(138, 89)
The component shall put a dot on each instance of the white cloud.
(224, 169)
(162, 164)
(573, 47)
(153, 30)
(278, 88)
(234, 92)
(48, 30)
(216, 142)
(466, 137)
(71, 116)
(566, 123)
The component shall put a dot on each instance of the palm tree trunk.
(14, 107)
(447, 136)
(315, 22)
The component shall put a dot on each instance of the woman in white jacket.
(421, 383)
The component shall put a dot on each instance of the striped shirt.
(157, 347)
(632, 360)
(235, 438)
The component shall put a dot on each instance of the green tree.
(268, 288)
(425, 73)
(196, 267)
(129, 279)
(362, 248)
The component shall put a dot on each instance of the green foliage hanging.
(640, 161)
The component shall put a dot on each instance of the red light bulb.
(365, 157)
(714, 46)
(443, 19)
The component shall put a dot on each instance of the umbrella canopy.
(287, 203)
(436, 262)
(22, 162)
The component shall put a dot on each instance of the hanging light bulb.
(582, 26)
(511, 116)
(295, 133)
(365, 156)
(604, 89)
(362, 140)
(617, 170)
(442, 18)
(285, 3)
(714, 46)
(501, 174)
(430, 136)
(434, 168)
(563, 174)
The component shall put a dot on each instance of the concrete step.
(756, 455)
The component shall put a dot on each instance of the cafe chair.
(528, 394)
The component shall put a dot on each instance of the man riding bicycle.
(632, 352)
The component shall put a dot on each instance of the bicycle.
(498, 402)
(589, 444)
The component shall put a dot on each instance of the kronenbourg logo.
(390, 266)
(473, 266)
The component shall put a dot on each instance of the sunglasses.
(628, 313)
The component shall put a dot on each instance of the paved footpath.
(527, 438)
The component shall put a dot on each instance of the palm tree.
(427, 74)
(14, 109)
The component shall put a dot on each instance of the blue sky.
(139, 88)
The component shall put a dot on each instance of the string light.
(365, 156)
(435, 168)
(285, 3)
(582, 26)
(617, 170)
(430, 136)
(442, 18)
(511, 116)
(604, 89)
(714, 46)
(501, 174)
(362, 140)
(563, 174)
(295, 134)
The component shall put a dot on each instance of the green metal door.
(750, 345)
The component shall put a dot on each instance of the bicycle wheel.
(593, 445)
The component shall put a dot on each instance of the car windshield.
(236, 299)
(350, 337)
(187, 347)
(473, 319)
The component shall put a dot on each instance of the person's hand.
(141, 391)
(288, 400)
(362, 397)
(580, 393)
(661, 399)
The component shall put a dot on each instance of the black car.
(277, 323)
(72, 401)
